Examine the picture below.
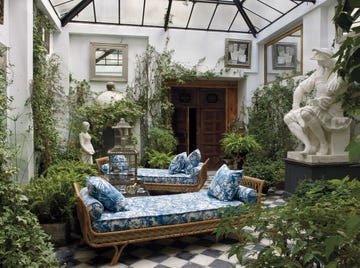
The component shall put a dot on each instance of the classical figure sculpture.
(86, 148)
(321, 114)
(109, 96)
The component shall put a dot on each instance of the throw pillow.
(118, 163)
(107, 194)
(195, 171)
(192, 161)
(178, 163)
(93, 205)
(246, 194)
(104, 169)
(225, 183)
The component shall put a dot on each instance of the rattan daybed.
(119, 239)
(163, 186)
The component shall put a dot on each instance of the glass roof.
(237, 16)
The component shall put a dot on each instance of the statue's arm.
(304, 87)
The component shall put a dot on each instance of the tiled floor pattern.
(185, 252)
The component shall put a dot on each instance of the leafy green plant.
(318, 227)
(237, 146)
(22, 242)
(266, 119)
(46, 87)
(158, 159)
(51, 196)
(151, 90)
(347, 65)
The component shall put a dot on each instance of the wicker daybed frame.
(166, 187)
(120, 239)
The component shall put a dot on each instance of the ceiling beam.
(167, 16)
(245, 17)
(74, 11)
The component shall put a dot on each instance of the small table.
(129, 188)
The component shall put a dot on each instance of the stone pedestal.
(299, 167)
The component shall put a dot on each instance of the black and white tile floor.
(185, 252)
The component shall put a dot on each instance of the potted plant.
(236, 146)
(52, 198)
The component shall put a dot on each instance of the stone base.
(312, 158)
(295, 171)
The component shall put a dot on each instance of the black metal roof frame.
(243, 11)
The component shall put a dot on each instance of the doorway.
(201, 115)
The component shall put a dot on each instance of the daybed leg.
(117, 254)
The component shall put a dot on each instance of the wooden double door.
(201, 117)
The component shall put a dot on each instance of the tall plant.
(348, 63)
(150, 89)
(46, 87)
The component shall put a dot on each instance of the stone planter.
(59, 233)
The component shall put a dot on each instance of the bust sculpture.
(86, 148)
(109, 96)
(321, 115)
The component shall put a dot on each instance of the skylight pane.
(280, 5)
(239, 24)
(87, 14)
(107, 11)
(262, 10)
(201, 15)
(257, 21)
(180, 13)
(131, 11)
(155, 11)
(223, 17)
(63, 7)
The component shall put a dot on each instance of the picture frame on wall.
(284, 55)
(237, 53)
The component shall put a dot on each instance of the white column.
(20, 58)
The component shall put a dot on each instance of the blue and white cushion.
(178, 163)
(156, 175)
(192, 161)
(225, 183)
(158, 210)
(118, 163)
(107, 194)
(246, 194)
(104, 169)
(93, 205)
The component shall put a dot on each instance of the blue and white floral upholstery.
(192, 161)
(154, 175)
(178, 163)
(107, 194)
(225, 183)
(104, 169)
(93, 205)
(160, 210)
(246, 194)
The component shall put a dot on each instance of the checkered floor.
(185, 252)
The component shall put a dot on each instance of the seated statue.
(322, 114)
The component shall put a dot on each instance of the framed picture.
(237, 53)
(284, 56)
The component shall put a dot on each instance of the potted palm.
(236, 146)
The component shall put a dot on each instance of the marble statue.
(314, 122)
(86, 148)
(108, 97)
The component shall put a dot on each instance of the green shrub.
(51, 196)
(159, 159)
(318, 227)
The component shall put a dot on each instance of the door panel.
(181, 128)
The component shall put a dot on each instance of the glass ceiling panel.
(223, 17)
(131, 11)
(155, 11)
(201, 15)
(180, 12)
(107, 11)
(86, 15)
(184, 14)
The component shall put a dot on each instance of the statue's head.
(324, 55)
